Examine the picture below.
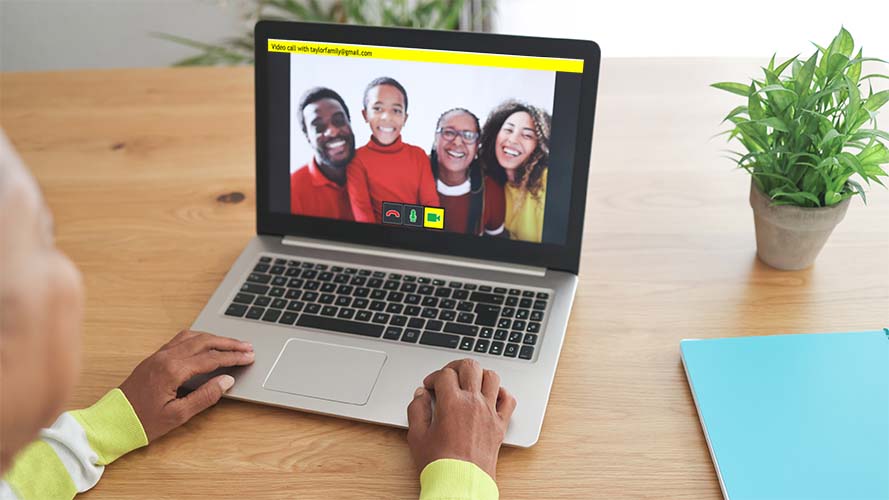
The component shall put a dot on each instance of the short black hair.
(315, 94)
(385, 80)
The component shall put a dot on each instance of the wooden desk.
(137, 166)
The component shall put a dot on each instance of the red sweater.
(456, 201)
(313, 194)
(398, 173)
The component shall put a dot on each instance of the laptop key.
(328, 287)
(481, 346)
(346, 313)
(508, 312)
(265, 259)
(521, 314)
(434, 325)
(466, 317)
(429, 301)
(382, 318)
(271, 315)
(411, 335)
(377, 305)
(527, 352)
(526, 303)
(236, 310)
(254, 288)
(395, 308)
(295, 306)
(361, 292)
(244, 298)
(326, 298)
(465, 306)
(461, 294)
(279, 303)
(511, 350)
(293, 294)
(496, 348)
(258, 278)
(340, 325)
(530, 339)
(412, 310)
(360, 303)
(430, 313)
(313, 308)
(398, 320)
(343, 301)
(262, 301)
(445, 315)
(255, 312)
(527, 293)
(440, 339)
(279, 281)
(533, 327)
(363, 316)
(438, 282)
(486, 314)
(542, 295)
(261, 268)
(443, 293)
(310, 296)
(393, 333)
(288, 318)
(539, 304)
(512, 301)
(536, 315)
(277, 292)
(280, 261)
(462, 329)
(484, 288)
(447, 304)
(501, 334)
(378, 294)
(328, 311)
(467, 343)
(416, 322)
(277, 269)
(515, 291)
(486, 333)
(515, 336)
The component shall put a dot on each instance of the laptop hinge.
(414, 256)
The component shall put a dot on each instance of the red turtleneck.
(397, 173)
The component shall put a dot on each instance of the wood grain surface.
(144, 170)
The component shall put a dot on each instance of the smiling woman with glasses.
(473, 203)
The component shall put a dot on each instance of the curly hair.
(475, 170)
(313, 95)
(529, 175)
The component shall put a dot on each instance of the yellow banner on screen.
(426, 55)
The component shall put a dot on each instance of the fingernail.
(250, 354)
(248, 345)
(419, 392)
(226, 382)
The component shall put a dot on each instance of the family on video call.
(490, 180)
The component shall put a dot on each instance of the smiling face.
(516, 140)
(385, 112)
(41, 307)
(456, 155)
(329, 133)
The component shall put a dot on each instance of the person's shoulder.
(300, 173)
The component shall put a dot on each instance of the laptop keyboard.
(423, 310)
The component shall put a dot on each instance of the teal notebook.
(795, 416)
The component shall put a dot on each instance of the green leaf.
(843, 43)
(780, 69)
(858, 190)
(874, 154)
(876, 101)
(734, 88)
(854, 72)
(804, 81)
(774, 122)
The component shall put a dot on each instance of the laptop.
(420, 199)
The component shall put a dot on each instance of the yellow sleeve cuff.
(37, 473)
(112, 427)
(449, 479)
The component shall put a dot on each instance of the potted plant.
(810, 137)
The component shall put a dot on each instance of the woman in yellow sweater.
(41, 308)
(515, 152)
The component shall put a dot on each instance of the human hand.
(469, 419)
(151, 388)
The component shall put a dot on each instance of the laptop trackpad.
(326, 371)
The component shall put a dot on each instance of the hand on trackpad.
(326, 371)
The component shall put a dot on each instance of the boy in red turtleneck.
(387, 169)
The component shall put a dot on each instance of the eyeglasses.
(469, 137)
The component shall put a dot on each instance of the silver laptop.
(420, 198)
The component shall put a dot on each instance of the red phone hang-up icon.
(393, 213)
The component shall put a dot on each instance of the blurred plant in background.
(465, 15)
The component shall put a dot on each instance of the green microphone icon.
(413, 216)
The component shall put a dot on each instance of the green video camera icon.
(433, 217)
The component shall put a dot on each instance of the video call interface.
(478, 144)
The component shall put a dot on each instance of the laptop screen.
(422, 140)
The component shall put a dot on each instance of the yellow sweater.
(71, 456)
(524, 213)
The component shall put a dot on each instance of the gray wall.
(40, 35)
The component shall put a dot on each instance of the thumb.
(206, 395)
(419, 412)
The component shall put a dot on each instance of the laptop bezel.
(559, 257)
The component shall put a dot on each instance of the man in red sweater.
(387, 169)
(318, 189)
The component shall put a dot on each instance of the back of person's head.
(314, 95)
(41, 309)
(385, 80)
